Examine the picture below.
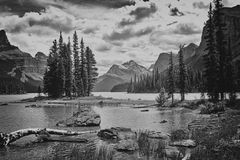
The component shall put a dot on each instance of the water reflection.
(16, 116)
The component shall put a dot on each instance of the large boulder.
(85, 117)
(118, 133)
(184, 143)
(128, 145)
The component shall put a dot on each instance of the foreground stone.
(117, 133)
(128, 145)
(85, 117)
(184, 143)
(158, 135)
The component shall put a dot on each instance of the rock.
(184, 143)
(118, 133)
(163, 121)
(108, 134)
(158, 135)
(31, 106)
(212, 108)
(127, 145)
(173, 152)
(3, 104)
(86, 117)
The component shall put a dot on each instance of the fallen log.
(6, 139)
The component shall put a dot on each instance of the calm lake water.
(15, 116)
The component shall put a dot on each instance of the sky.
(116, 30)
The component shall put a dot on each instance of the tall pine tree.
(83, 68)
(220, 47)
(210, 59)
(170, 82)
(230, 74)
(182, 74)
(68, 69)
(77, 72)
(50, 78)
(91, 70)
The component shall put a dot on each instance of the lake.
(15, 116)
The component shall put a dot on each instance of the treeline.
(220, 76)
(71, 69)
(11, 86)
(155, 81)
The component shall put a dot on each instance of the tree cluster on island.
(220, 77)
(67, 76)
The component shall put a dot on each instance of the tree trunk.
(6, 139)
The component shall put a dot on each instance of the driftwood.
(44, 133)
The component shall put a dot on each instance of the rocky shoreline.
(216, 130)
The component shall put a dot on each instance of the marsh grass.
(217, 144)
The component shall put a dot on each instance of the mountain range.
(193, 54)
(19, 66)
(23, 68)
(119, 74)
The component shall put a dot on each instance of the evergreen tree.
(220, 47)
(77, 86)
(210, 59)
(91, 70)
(170, 82)
(50, 78)
(83, 69)
(238, 75)
(230, 74)
(68, 70)
(60, 77)
(182, 74)
(39, 91)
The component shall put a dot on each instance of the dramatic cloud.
(127, 34)
(139, 14)
(90, 30)
(200, 5)
(115, 30)
(187, 29)
(52, 18)
(104, 3)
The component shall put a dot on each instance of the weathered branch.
(6, 139)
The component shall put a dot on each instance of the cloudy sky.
(116, 30)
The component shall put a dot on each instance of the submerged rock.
(184, 143)
(158, 135)
(127, 145)
(118, 133)
(173, 152)
(86, 117)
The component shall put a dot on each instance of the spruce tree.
(182, 74)
(170, 81)
(210, 59)
(77, 72)
(60, 77)
(50, 76)
(230, 74)
(220, 47)
(68, 69)
(83, 68)
(91, 70)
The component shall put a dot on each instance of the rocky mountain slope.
(119, 74)
(20, 67)
(231, 17)
(162, 62)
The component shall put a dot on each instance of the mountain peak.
(4, 42)
(3, 39)
(130, 63)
